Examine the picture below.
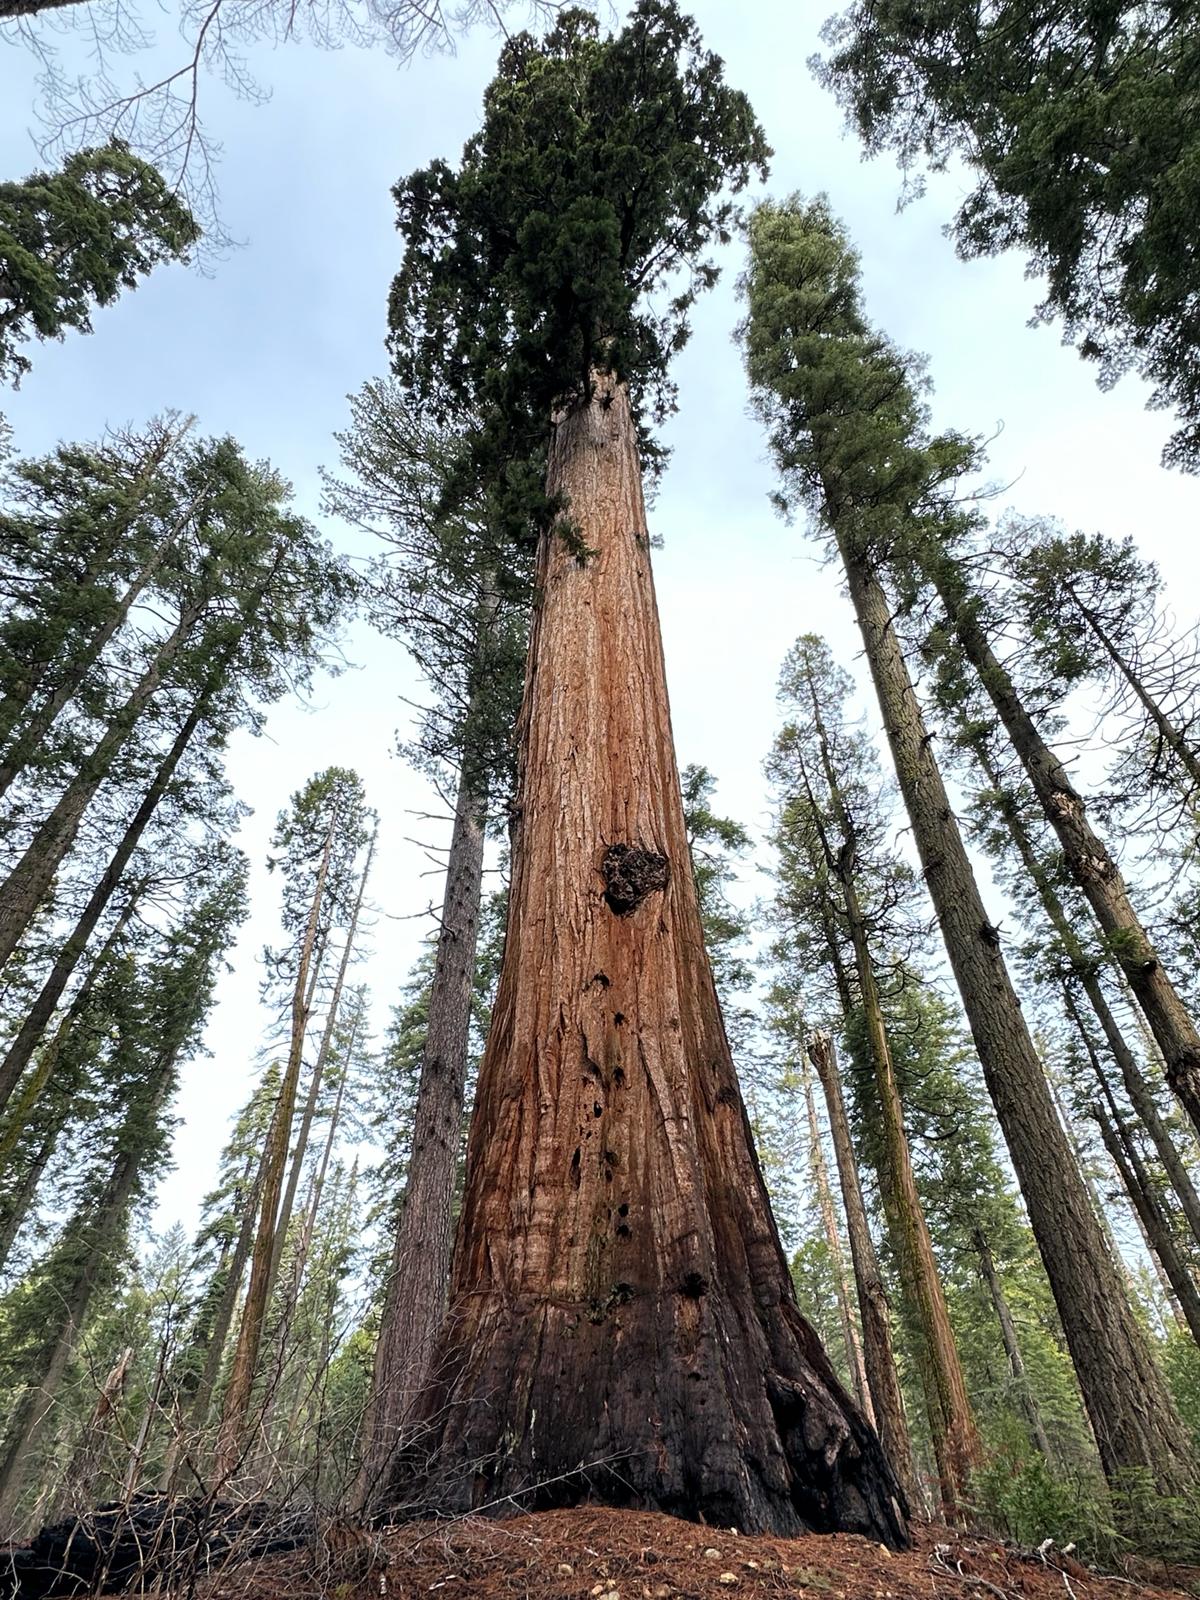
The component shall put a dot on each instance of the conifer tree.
(319, 838)
(614, 1218)
(238, 610)
(457, 590)
(159, 1012)
(842, 417)
(73, 239)
(1076, 125)
(829, 813)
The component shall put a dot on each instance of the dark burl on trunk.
(622, 1324)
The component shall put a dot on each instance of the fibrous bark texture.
(621, 1325)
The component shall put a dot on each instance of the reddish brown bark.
(622, 1323)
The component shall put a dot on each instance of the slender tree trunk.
(1134, 1420)
(1084, 969)
(22, 892)
(17, 1119)
(45, 1381)
(78, 1486)
(837, 1259)
(1012, 1348)
(1181, 1289)
(1087, 859)
(956, 1444)
(318, 1071)
(17, 1056)
(954, 1435)
(37, 725)
(1135, 1180)
(878, 1350)
(318, 1188)
(14, 1210)
(415, 1295)
(622, 1323)
(193, 1419)
(235, 1411)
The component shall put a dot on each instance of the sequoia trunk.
(622, 1323)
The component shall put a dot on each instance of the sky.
(268, 340)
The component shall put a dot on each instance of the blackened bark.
(622, 1323)
(1134, 1420)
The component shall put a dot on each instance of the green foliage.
(715, 843)
(1078, 125)
(598, 178)
(153, 546)
(75, 238)
(330, 810)
(816, 1294)
(454, 585)
(1029, 1499)
(847, 423)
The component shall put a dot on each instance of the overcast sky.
(268, 345)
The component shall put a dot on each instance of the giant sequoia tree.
(621, 1320)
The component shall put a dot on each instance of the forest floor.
(591, 1553)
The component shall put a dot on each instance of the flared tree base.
(662, 1403)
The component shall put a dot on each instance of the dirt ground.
(591, 1553)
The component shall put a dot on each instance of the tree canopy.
(1078, 124)
(73, 239)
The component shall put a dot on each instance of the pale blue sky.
(267, 347)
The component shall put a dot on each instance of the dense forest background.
(270, 343)
(266, 340)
